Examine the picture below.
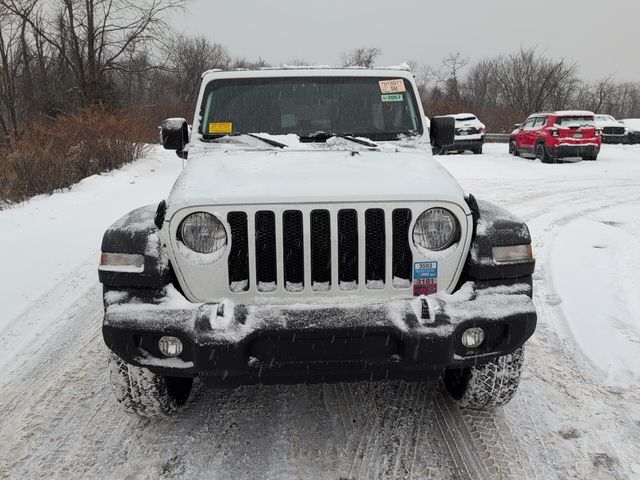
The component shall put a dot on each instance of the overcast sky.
(600, 35)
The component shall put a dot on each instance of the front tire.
(144, 393)
(486, 386)
(513, 149)
(477, 150)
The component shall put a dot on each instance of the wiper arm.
(324, 136)
(273, 143)
(268, 141)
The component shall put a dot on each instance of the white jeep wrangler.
(312, 237)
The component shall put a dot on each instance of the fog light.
(473, 337)
(170, 346)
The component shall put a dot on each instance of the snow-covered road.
(576, 415)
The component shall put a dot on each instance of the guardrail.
(497, 137)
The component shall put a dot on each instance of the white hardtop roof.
(391, 72)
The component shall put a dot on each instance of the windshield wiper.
(268, 141)
(324, 136)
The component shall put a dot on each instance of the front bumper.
(230, 345)
(570, 151)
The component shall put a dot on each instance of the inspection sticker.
(220, 127)
(425, 278)
(392, 86)
(392, 97)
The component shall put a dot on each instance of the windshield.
(376, 108)
(575, 121)
(605, 118)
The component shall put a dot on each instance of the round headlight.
(203, 233)
(436, 229)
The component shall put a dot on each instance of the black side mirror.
(174, 135)
(517, 126)
(442, 131)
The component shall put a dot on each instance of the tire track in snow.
(509, 440)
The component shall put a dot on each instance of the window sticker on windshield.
(392, 97)
(425, 278)
(220, 127)
(392, 86)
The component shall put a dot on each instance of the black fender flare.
(137, 233)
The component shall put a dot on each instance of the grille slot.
(402, 256)
(266, 272)
(320, 250)
(348, 249)
(374, 248)
(293, 250)
(239, 253)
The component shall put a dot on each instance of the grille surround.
(210, 282)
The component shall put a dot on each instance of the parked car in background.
(555, 135)
(612, 130)
(633, 135)
(470, 133)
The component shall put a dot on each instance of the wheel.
(477, 150)
(485, 386)
(143, 392)
(541, 153)
(513, 150)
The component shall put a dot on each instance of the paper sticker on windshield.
(392, 86)
(220, 127)
(392, 97)
(425, 278)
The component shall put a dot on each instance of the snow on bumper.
(235, 344)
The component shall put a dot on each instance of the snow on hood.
(239, 176)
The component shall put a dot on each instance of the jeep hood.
(262, 177)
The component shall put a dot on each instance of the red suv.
(549, 136)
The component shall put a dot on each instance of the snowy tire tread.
(142, 392)
(492, 384)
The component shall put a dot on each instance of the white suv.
(312, 237)
(470, 133)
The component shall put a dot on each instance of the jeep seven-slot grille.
(288, 234)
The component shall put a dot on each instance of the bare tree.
(449, 74)
(191, 57)
(9, 68)
(94, 37)
(528, 81)
(361, 57)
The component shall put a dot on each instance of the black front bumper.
(573, 151)
(229, 345)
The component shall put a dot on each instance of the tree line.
(60, 56)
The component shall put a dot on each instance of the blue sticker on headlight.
(425, 278)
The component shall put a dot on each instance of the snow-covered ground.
(576, 415)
